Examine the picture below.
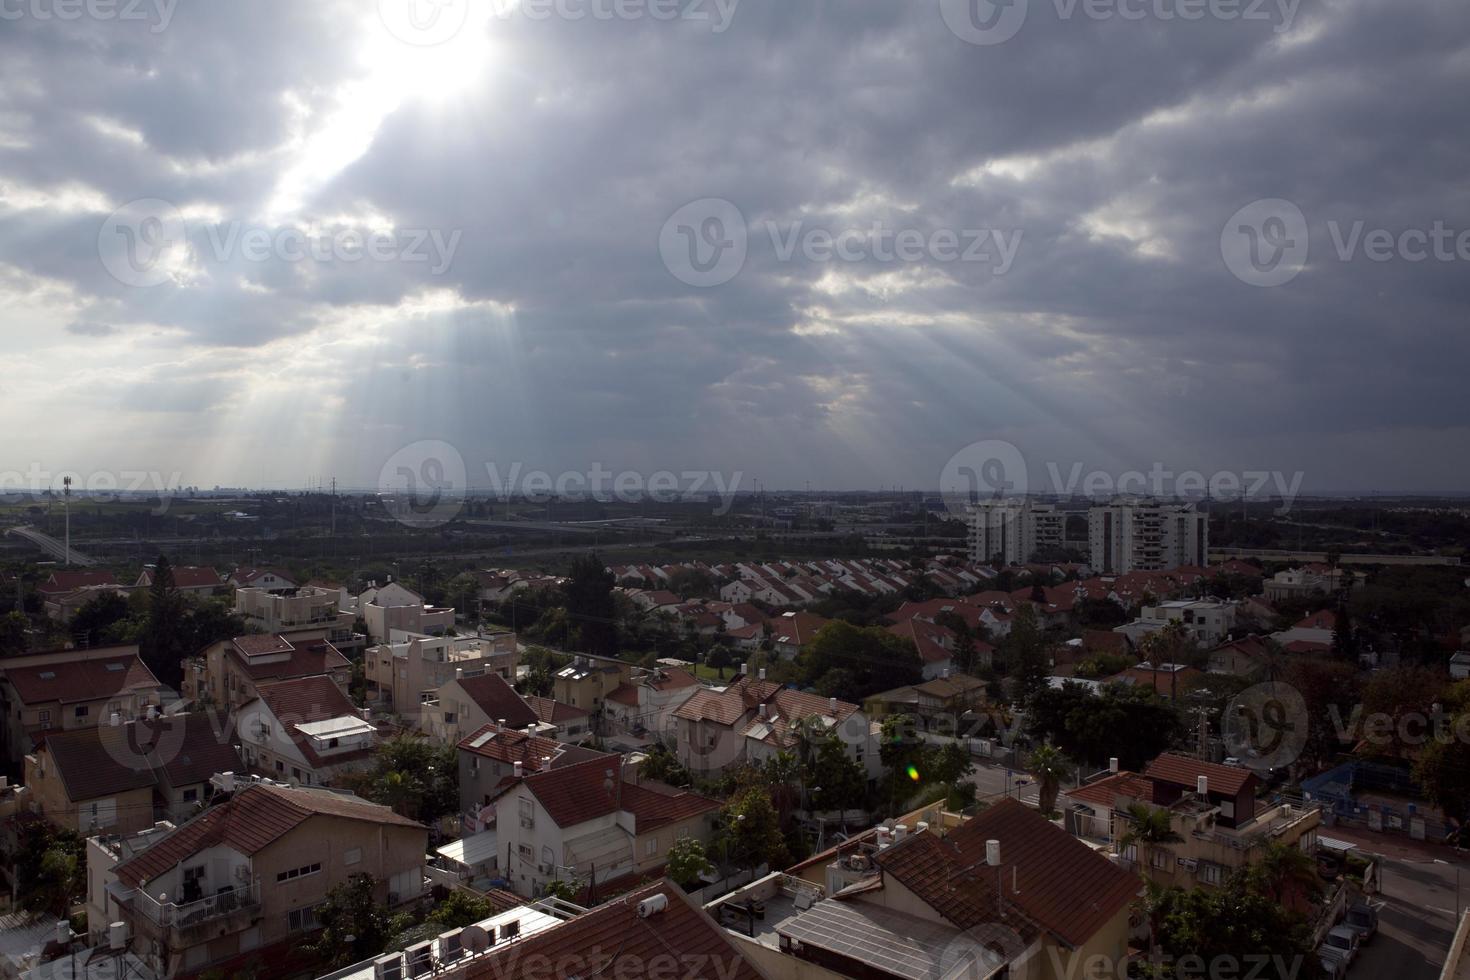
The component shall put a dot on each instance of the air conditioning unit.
(451, 947)
(388, 967)
(859, 862)
(527, 823)
(242, 872)
(1189, 863)
(420, 959)
(543, 869)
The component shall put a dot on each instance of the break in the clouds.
(257, 243)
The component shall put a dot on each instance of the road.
(1416, 923)
(51, 546)
(994, 782)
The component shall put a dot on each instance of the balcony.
(193, 922)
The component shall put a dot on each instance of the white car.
(1341, 943)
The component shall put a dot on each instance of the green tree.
(876, 658)
(14, 627)
(354, 925)
(562, 889)
(1232, 924)
(687, 861)
(164, 643)
(95, 621)
(1050, 767)
(590, 606)
(1148, 827)
(838, 779)
(418, 778)
(751, 833)
(1286, 874)
(1024, 651)
(459, 909)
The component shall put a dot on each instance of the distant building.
(300, 610)
(187, 578)
(304, 731)
(228, 672)
(1132, 535)
(1013, 529)
(404, 673)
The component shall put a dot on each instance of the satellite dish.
(475, 938)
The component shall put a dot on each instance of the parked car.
(1332, 967)
(1341, 942)
(1362, 918)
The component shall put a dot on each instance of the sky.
(841, 244)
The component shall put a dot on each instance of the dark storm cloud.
(1114, 150)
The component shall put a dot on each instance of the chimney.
(992, 853)
(900, 832)
(500, 722)
(459, 673)
(763, 711)
(1202, 786)
(518, 769)
(115, 720)
(832, 705)
(763, 673)
(1113, 764)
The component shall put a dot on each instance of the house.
(934, 645)
(1170, 681)
(565, 722)
(951, 695)
(648, 701)
(392, 608)
(304, 731)
(493, 754)
(588, 680)
(1310, 634)
(1322, 619)
(657, 927)
(1460, 665)
(228, 671)
(120, 778)
(191, 579)
(1248, 656)
(1212, 808)
(468, 703)
(63, 606)
(403, 674)
(793, 630)
(62, 690)
(752, 718)
(61, 582)
(1301, 583)
(1004, 894)
(248, 875)
(1207, 621)
(304, 609)
(269, 579)
(590, 824)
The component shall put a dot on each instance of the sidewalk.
(1396, 847)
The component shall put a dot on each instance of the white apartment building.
(306, 608)
(1014, 529)
(1137, 535)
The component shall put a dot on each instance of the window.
(449, 717)
(650, 847)
(301, 872)
(1160, 859)
(474, 763)
(82, 711)
(300, 920)
(45, 717)
(1210, 874)
(295, 773)
(352, 856)
(280, 766)
(528, 856)
(191, 795)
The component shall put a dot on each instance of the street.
(993, 783)
(1415, 924)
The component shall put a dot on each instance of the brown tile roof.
(256, 816)
(494, 696)
(1104, 641)
(1322, 619)
(682, 935)
(502, 900)
(314, 698)
(1105, 791)
(927, 638)
(1057, 881)
(246, 576)
(624, 693)
(552, 711)
(730, 705)
(307, 657)
(69, 679)
(186, 577)
(179, 749)
(1184, 771)
(786, 707)
(61, 582)
(671, 679)
(1165, 683)
(510, 746)
(577, 793)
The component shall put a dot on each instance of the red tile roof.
(728, 706)
(682, 935)
(1322, 619)
(186, 577)
(62, 582)
(554, 712)
(1057, 881)
(255, 817)
(494, 696)
(1105, 791)
(577, 793)
(927, 638)
(786, 707)
(69, 679)
(510, 746)
(1184, 770)
(305, 699)
(307, 657)
(181, 750)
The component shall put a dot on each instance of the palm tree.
(1149, 826)
(1286, 874)
(1154, 906)
(1049, 765)
(1168, 646)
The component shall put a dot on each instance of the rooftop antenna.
(66, 495)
